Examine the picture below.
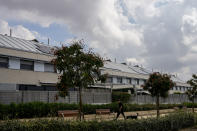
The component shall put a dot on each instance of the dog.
(132, 116)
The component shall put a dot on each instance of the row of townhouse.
(25, 65)
(126, 77)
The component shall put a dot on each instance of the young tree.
(158, 85)
(192, 93)
(78, 68)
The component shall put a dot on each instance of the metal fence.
(89, 96)
(171, 99)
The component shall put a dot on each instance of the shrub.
(189, 105)
(40, 109)
(123, 96)
(168, 123)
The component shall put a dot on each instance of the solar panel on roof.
(25, 45)
(126, 68)
(44, 49)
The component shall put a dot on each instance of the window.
(133, 81)
(4, 62)
(27, 87)
(27, 65)
(119, 79)
(109, 80)
(49, 88)
(128, 80)
(141, 81)
(137, 80)
(37, 88)
(49, 67)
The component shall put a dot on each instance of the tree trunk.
(157, 105)
(80, 105)
(193, 105)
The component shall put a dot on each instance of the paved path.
(142, 114)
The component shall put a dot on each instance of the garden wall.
(89, 96)
(171, 99)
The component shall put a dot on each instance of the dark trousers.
(120, 112)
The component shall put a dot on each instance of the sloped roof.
(24, 45)
(178, 81)
(140, 70)
(125, 68)
(137, 70)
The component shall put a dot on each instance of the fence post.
(93, 96)
(106, 97)
(22, 95)
(69, 97)
(48, 97)
(77, 97)
(137, 99)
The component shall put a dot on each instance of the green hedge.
(40, 109)
(123, 96)
(169, 123)
(189, 105)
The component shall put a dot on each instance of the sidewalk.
(141, 114)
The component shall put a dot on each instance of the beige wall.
(24, 54)
(26, 77)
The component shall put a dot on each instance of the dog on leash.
(132, 116)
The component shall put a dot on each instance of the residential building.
(129, 78)
(25, 65)
(181, 86)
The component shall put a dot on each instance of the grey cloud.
(164, 39)
(157, 35)
(65, 10)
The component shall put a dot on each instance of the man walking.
(120, 109)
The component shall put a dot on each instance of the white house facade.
(26, 65)
(126, 77)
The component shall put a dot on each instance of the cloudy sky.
(158, 34)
